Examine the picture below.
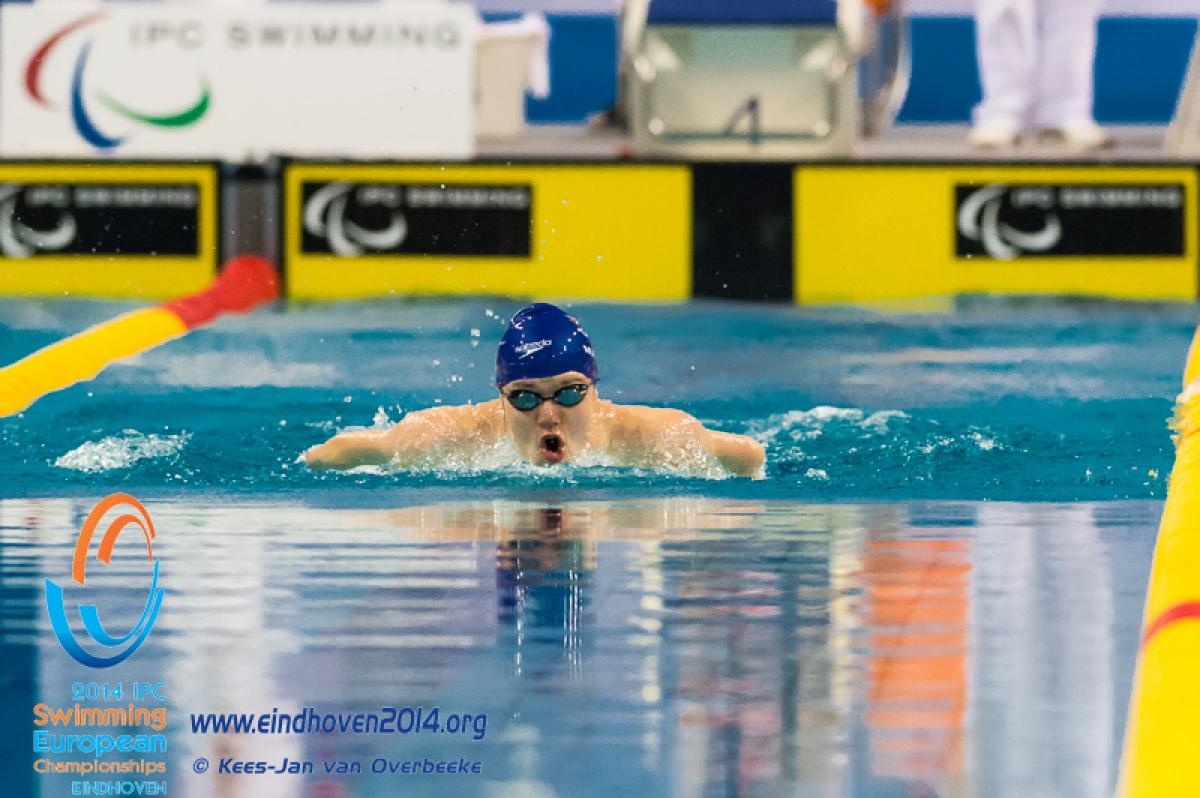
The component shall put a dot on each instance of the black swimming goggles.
(567, 396)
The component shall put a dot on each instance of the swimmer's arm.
(739, 454)
(657, 430)
(444, 429)
(350, 450)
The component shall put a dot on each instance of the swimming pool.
(937, 588)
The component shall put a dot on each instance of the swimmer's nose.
(547, 415)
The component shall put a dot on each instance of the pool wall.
(108, 230)
(810, 233)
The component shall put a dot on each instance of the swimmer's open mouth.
(552, 448)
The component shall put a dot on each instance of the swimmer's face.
(549, 433)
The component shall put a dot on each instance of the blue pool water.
(935, 591)
(1035, 404)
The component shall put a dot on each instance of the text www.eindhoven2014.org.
(386, 720)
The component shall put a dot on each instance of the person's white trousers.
(1036, 59)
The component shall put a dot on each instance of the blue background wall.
(1140, 66)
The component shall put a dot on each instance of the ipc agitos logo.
(82, 118)
(56, 607)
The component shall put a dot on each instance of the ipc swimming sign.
(1009, 221)
(117, 648)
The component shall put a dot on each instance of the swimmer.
(550, 408)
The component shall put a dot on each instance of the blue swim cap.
(541, 341)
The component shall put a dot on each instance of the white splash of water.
(381, 419)
(984, 442)
(878, 422)
(800, 425)
(121, 451)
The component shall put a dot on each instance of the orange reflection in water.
(918, 607)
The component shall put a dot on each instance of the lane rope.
(245, 283)
(1159, 752)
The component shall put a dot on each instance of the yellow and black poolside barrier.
(1160, 757)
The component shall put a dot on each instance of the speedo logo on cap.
(532, 347)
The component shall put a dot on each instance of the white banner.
(237, 82)
(605, 7)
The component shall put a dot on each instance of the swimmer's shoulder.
(483, 418)
(638, 427)
(630, 422)
(486, 417)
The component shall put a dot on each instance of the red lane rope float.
(244, 284)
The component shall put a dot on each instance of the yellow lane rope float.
(245, 283)
(1160, 739)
